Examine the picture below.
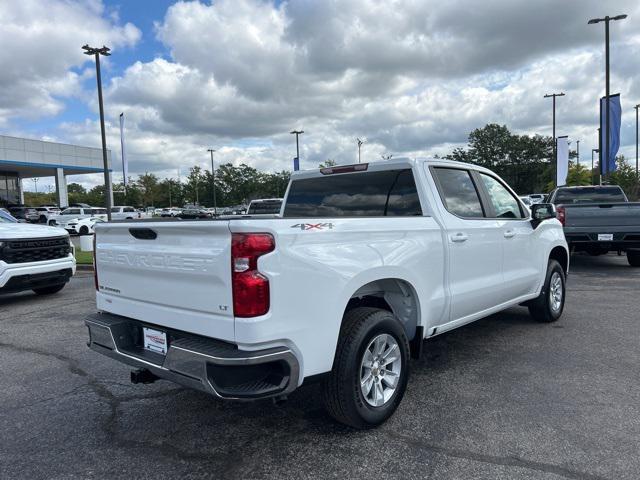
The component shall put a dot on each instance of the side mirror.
(542, 211)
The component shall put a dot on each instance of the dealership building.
(22, 158)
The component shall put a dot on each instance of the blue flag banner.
(608, 159)
(296, 164)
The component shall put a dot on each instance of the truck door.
(521, 264)
(474, 244)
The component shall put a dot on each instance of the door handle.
(459, 237)
(509, 234)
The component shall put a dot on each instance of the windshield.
(590, 195)
(262, 208)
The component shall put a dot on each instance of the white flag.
(125, 164)
(562, 160)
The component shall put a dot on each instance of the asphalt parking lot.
(502, 398)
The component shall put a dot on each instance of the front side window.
(505, 205)
(364, 194)
(458, 192)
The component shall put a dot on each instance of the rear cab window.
(590, 195)
(265, 207)
(387, 193)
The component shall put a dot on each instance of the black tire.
(633, 257)
(84, 230)
(42, 219)
(49, 290)
(342, 393)
(52, 223)
(541, 308)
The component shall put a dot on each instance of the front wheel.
(549, 305)
(633, 257)
(370, 369)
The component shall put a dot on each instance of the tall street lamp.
(593, 150)
(96, 52)
(360, 142)
(297, 133)
(213, 174)
(636, 107)
(606, 21)
(555, 143)
(578, 152)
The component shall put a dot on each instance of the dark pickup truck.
(599, 219)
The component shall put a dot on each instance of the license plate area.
(605, 237)
(154, 340)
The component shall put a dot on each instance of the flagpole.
(124, 169)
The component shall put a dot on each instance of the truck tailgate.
(174, 274)
(603, 215)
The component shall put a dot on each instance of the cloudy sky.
(411, 77)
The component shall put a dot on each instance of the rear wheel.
(84, 230)
(550, 303)
(370, 369)
(49, 290)
(633, 257)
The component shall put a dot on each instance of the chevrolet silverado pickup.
(34, 257)
(364, 263)
(599, 219)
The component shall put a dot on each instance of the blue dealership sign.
(608, 159)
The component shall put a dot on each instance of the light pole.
(606, 21)
(35, 183)
(96, 52)
(213, 175)
(297, 133)
(593, 150)
(360, 142)
(578, 152)
(636, 107)
(555, 144)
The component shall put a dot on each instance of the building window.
(9, 193)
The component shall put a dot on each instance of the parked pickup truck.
(599, 219)
(34, 257)
(365, 262)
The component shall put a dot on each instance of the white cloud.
(41, 47)
(412, 77)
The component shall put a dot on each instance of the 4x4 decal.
(313, 226)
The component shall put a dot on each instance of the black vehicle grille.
(34, 250)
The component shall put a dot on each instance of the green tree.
(328, 163)
(578, 175)
(148, 185)
(522, 160)
(626, 176)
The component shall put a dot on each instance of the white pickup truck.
(365, 262)
(34, 257)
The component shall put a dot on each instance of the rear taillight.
(561, 215)
(95, 264)
(250, 287)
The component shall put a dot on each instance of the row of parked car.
(263, 206)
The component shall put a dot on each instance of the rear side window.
(458, 192)
(390, 193)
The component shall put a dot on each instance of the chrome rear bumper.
(205, 364)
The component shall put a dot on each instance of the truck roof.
(393, 164)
